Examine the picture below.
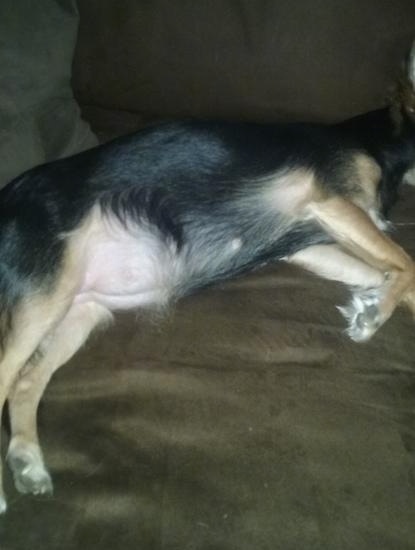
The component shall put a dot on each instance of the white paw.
(363, 315)
(29, 472)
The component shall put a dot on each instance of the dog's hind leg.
(353, 229)
(24, 455)
(34, 317)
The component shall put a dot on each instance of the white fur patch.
(236, 244)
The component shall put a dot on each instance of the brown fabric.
(267, 59)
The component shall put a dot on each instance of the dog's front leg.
(354, 230)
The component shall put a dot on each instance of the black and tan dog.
(150, 217)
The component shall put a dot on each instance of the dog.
(148, 218)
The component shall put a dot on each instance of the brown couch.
(245, 420)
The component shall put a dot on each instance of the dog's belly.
(127, 268)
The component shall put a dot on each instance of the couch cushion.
(266, 60)
(39, 118)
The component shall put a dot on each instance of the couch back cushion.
(262, 60)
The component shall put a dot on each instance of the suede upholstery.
(245, 419)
